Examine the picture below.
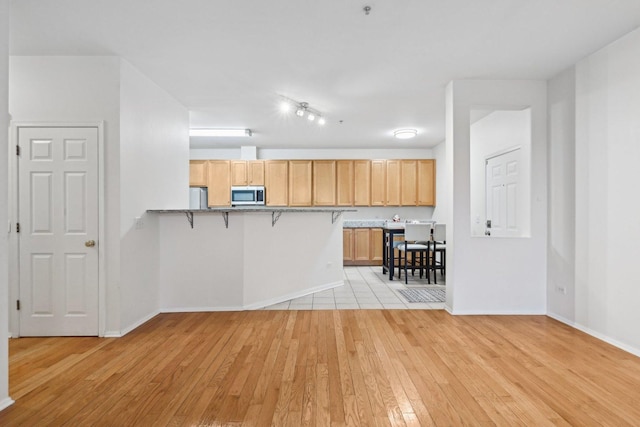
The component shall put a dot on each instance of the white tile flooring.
(364, 288)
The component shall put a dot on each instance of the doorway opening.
(500, 172)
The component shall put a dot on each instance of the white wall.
(495, 133)
(77, 89)
(562, 196)
(4, 202)
(315, 153)
(485, 275)
(146, 161)
(603, 298)
(440, 210)
(154, 174)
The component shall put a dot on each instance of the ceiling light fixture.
(220, 132)
(405, 133)
(303, 109)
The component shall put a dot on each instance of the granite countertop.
(372, 223)
(363, 223)
(250, 209)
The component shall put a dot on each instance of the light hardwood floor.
(326, 368)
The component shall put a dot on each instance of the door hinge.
(17, 150)
(17, 227)
(17, 304)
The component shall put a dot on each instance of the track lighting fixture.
(303, 109)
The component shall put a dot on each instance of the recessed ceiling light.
(220, 132)
(405, 133)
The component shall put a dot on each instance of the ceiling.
(230, 62)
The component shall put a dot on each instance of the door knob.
(90, 243)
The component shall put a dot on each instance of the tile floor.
(364, 288)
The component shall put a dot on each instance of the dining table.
(389, 231)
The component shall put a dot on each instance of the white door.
(503, 194)
(58, 217)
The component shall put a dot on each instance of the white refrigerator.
(198, 198)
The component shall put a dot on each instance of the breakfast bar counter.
(252, 258)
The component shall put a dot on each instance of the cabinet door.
(324, 182)
(344, 183)
(238, 172)
(361, 244)
(362, 183)
(300, 182)
(408, 182)
(393, 183)
(255, 172)
(378, 182)
(276, 182)
(219, 182)
(198, 173)
(347, 244)
(427, 182)
(375, 237)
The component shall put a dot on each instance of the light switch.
(139, 223)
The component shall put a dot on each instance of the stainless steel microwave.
(247, 195)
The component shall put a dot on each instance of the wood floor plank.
(333, 368)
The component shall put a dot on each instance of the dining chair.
(438, 250)
(419, 251)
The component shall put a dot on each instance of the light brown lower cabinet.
(362, 246)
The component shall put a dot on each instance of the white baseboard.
(256, 305)
(199, 309)
(125, 331)
(140, 322)
(602, 337)
(5, 403)
(293, 295)
(497, 312)
(112, 334)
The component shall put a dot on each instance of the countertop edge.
(258, 210)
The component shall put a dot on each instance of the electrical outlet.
(561, 289)
(139, 223)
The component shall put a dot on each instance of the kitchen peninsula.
(246, 258)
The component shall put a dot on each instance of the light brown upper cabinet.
(276, 182)
(300, 182)
(409, 182)
(238, 172)
(344, 183)
(427, 182)
(324, 182)
(393, 183)
(198, 173)
(378, 182)
(247, 172)
(362, 183)
(255, 172)
(219, 182)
